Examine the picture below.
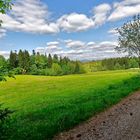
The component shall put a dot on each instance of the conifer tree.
(55, 58)
(26, 60)
(13, 59)
(20, 59)
(50, 61)
(77, 67)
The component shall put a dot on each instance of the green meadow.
(45, 106)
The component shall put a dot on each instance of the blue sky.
(77, 29)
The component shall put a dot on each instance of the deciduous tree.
(129, 38)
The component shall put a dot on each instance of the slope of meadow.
(46, 106)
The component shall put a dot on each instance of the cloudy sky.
(74, 28)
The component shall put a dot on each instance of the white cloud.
(86, 50)
(55, 43)
(80, 50)
(93, 51)
(33, 16)
(124, 9)
(51, 47)
(75, 22)
(74, 44)
(113, 32)
(29, 16)
(101, 13)
(108, 44)
(91, 43)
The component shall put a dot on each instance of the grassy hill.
(46, 106)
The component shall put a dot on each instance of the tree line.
(22, 62)
(113, 64)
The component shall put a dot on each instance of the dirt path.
(121, 122)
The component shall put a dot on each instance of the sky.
(81, 30)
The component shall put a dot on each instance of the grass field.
(46, 106)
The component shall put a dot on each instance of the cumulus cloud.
(80, 50)
(94, 51)
(86, 50)
(51, 47)
(29, 16)
(33, 16)
(75, 22)
(101, 13)
(80, 22)
(91, 43)
(124, 9)
(74, 44)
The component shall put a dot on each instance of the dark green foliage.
(5, 112)
(5, 5)
(13, 60)
(2, 78)
(77, 67)
(20, 59)
(4, 122)
(50, 61)
(3, 65)
(33, 53)
(55, 58)
(24, 61)
(37, 64)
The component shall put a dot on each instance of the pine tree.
(33, 52)
(26, 60)
(55, 58)
(61, 61)
(50, 61)
(13, 60)
(77, 67)
(20, 59)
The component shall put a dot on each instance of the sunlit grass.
(48, 105)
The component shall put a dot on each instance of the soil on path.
(121, 122)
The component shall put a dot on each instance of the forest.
(52, 65)
(36, 64)
(121, 63)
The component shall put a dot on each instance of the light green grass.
(48, 105)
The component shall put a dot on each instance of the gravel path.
(121, 122)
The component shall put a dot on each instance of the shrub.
(33, 70)
(17, 70)
(4, 119)
(56, 69)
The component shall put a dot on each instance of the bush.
(4, 119)
(79, 69)
(17, 70)
(33, 70)
(56, 69)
